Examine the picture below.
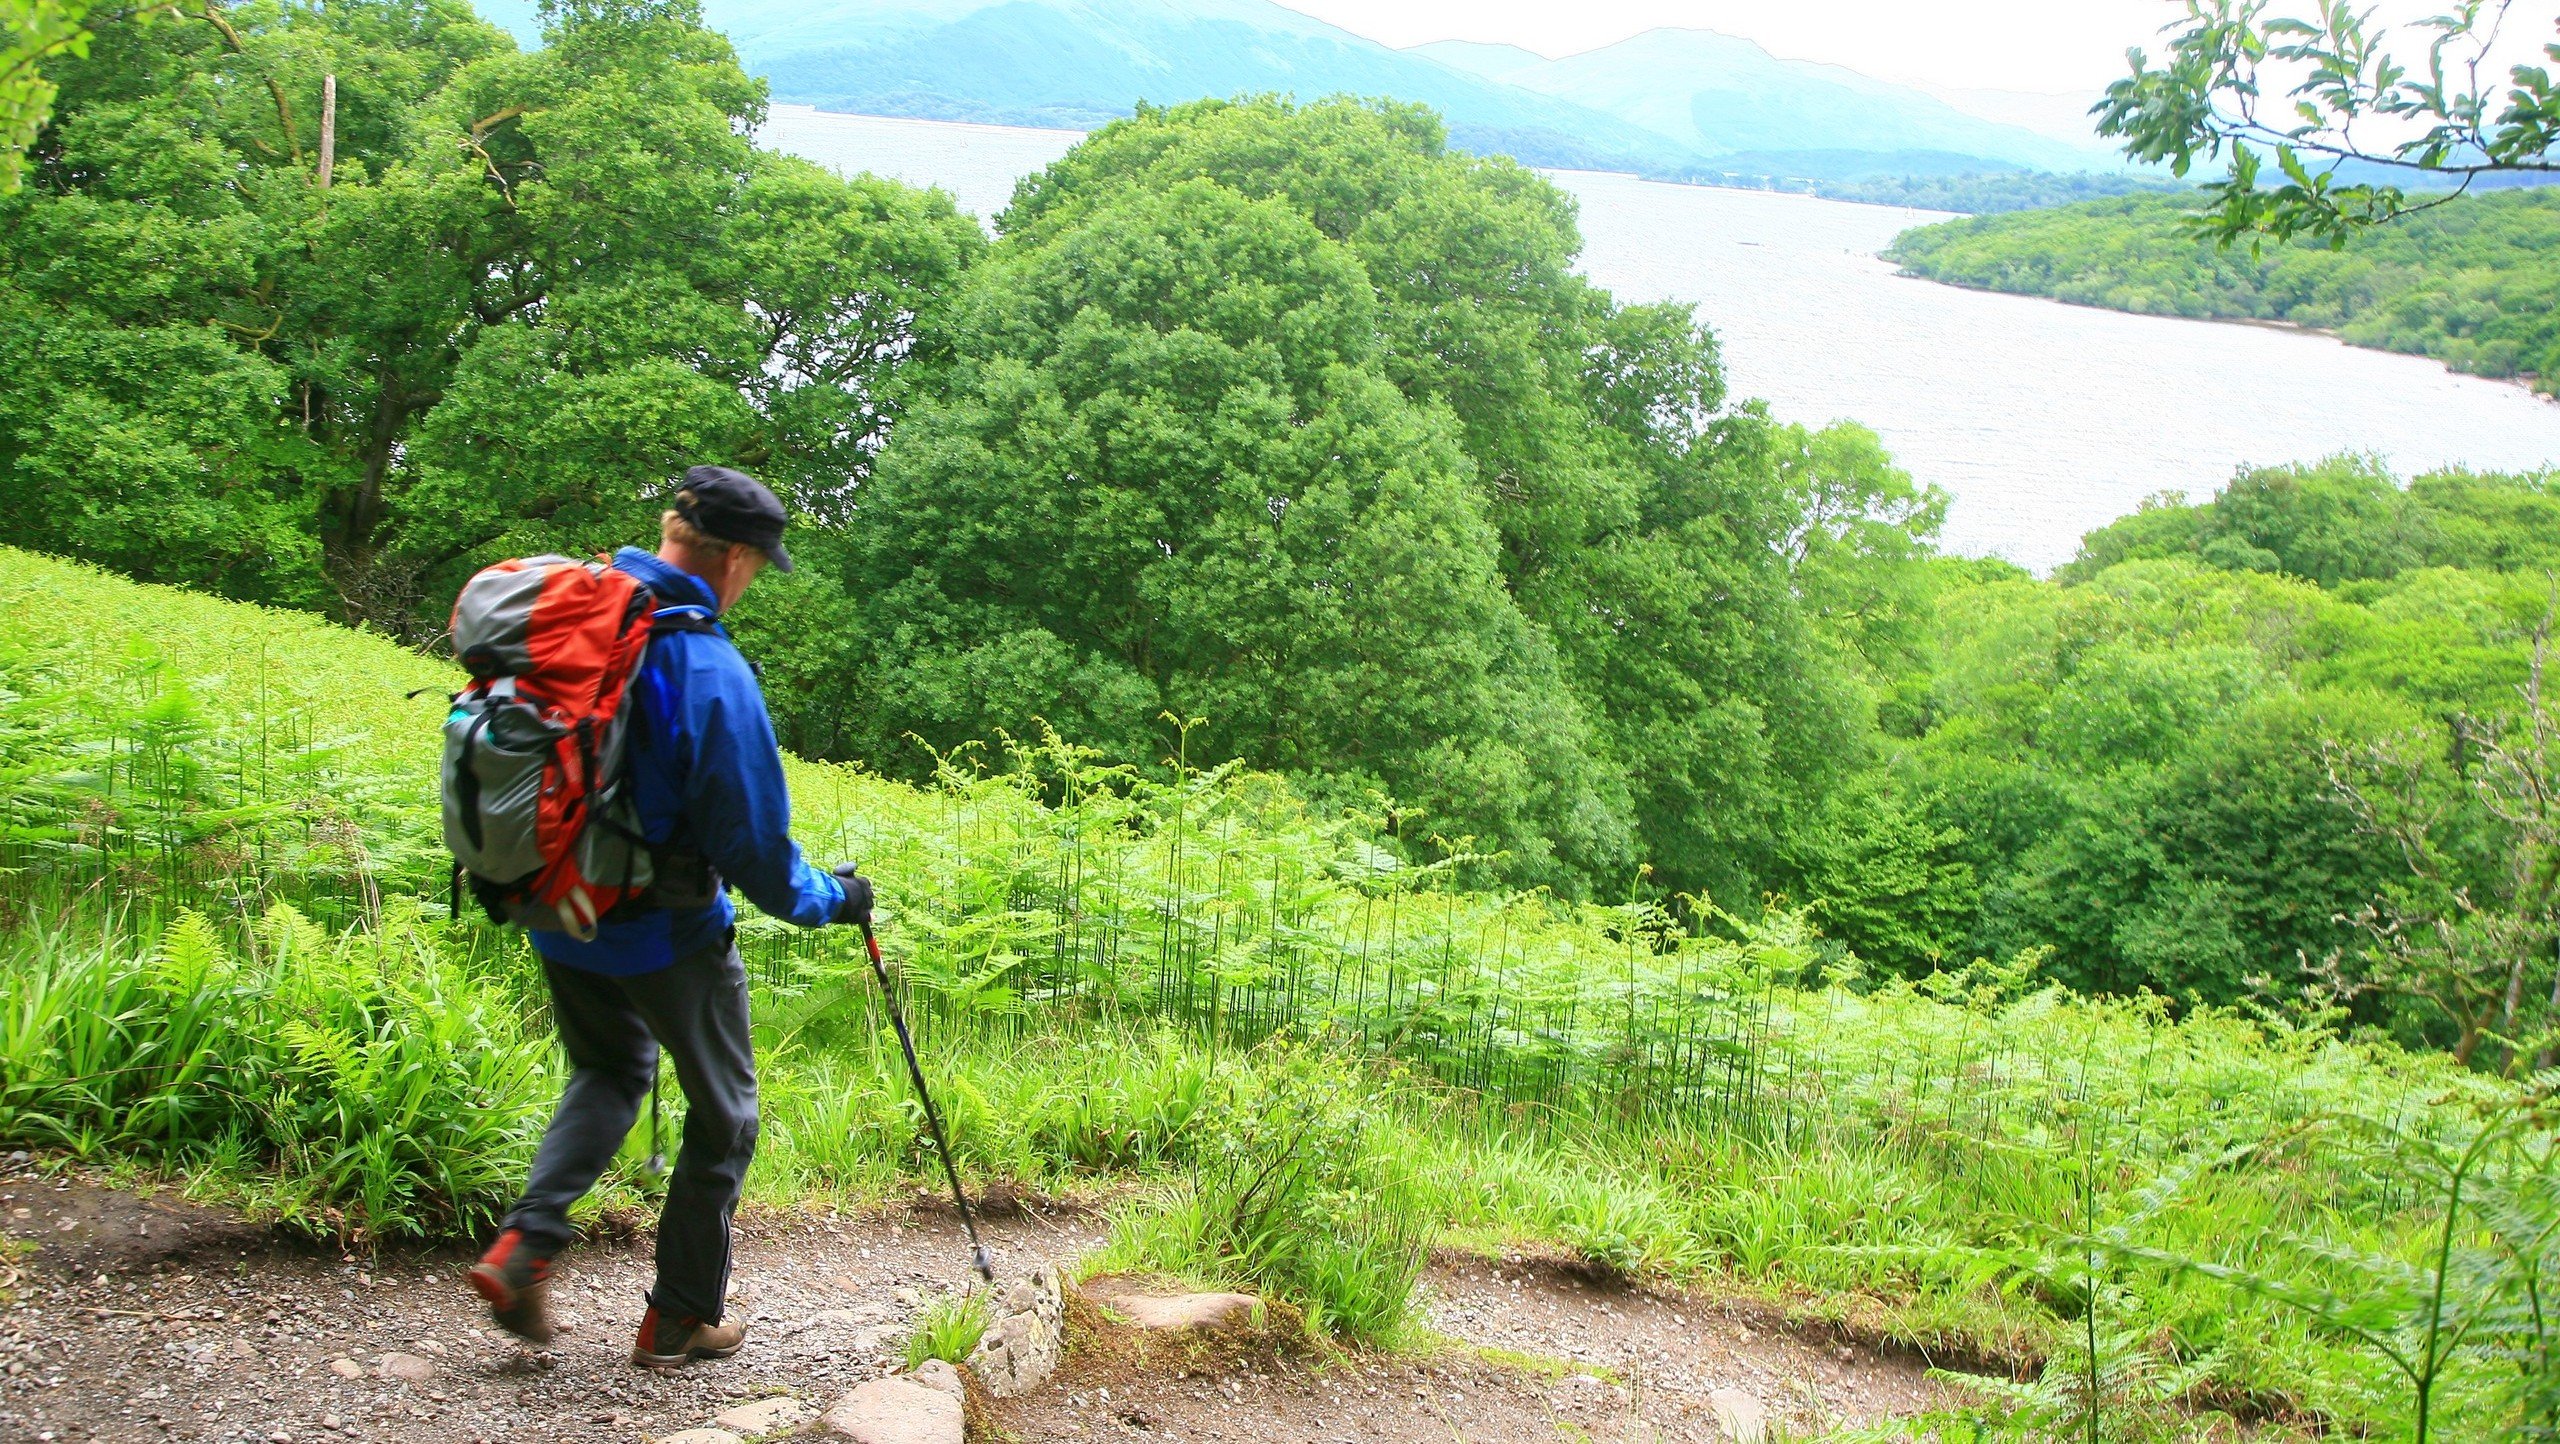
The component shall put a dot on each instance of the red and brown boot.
(514, 1276)
(672, 1343)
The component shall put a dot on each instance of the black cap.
(733, 506)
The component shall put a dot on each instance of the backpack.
(537, 812)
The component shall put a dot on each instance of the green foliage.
(535, 286)
(1992, 193)
(1339, 456)
(1082, 957)
(2476, 1289)
(1336, 453)
(2340, 521)
(2474, 283)
(1297, 1194)
(164, 743)
(2142, 769)
(31, 32)
(948, 1328)
(373, 1088)
(2350, 111)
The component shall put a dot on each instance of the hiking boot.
(674, 1343)
(514, 1276)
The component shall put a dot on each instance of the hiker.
(662, 969)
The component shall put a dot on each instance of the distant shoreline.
(2523, 381)
(984, 125)
(1077, 136)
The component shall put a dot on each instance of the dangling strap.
(657, 1155)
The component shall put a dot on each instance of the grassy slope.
(1906, 1159)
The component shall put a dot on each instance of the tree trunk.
(360, 510)
(328, 128)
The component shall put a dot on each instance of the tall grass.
(369, 1087)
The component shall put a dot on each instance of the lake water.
(2042, 420)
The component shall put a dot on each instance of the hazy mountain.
(1720, 95)
(1687, 104)
(2059, 115)
(1079, 63)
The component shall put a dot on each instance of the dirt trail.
(135, 1319)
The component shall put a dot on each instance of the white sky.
(2037, 45)
(2027, 45)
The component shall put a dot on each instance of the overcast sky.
(2031, 45)
(2045, 45)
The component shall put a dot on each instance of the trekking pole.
(977, 1251)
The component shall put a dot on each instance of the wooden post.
(328, 128)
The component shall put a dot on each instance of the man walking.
(663, 972)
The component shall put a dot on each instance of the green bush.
(1295, 1194)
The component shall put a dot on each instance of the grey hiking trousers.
(611, 1029)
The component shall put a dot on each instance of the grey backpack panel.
(492, 618)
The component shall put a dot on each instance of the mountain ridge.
(1721, 95)
(1670, 103)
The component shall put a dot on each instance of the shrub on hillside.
(1292, 1193)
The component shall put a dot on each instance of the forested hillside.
(2474, 282)
(2190, 765)
(1338, 454)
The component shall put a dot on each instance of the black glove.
(856, 907)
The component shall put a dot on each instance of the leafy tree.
(1861, 547)
(536, 285)
(2312, 91)
(2472, 927)
(2341, 521)
(1171, 478)
(2497, 523)
(1287, 417)
(2132, 770)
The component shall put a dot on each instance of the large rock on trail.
(1186, 1311)
(1173, 1311)
(1021, 1347)
(896, 1411)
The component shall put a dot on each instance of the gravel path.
(132, 1318)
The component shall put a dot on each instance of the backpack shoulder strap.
(699, 621)
(687, 618)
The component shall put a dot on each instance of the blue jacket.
(705, 774)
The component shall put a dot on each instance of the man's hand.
(856, 907)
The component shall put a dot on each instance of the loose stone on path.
(407, 1368)
(1184, 1311)
(763, 1416)
(896, 1411)
(1744, 1417)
